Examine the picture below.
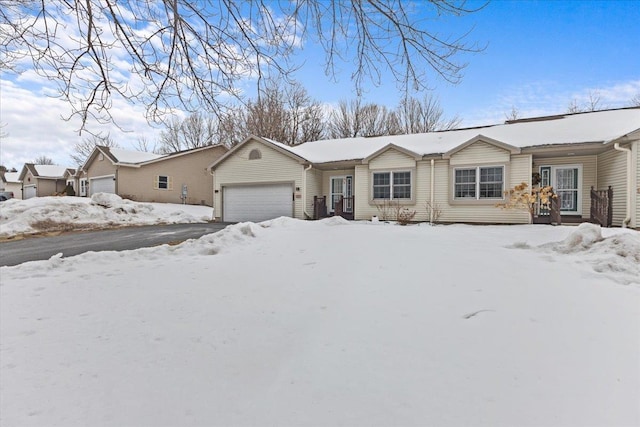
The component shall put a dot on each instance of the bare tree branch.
(193, 55)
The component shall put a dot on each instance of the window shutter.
(155, 182)
(169, 183)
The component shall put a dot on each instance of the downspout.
(304, 192)
(627, 219)
(213, 195)
(431, 195)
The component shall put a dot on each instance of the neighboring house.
(43, 180)
(11, 182)
(456, 176)
(181, 177)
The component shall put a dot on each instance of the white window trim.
(156, 184)
(477, 183)
(552, 178)
(412, 174)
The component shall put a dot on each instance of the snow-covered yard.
(330, 323)
(102, 210)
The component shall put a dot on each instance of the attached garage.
(256, 203)
(28, 191)
(105, 184)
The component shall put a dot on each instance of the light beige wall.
(99, 167)
(612, 166)
(390, 160)
(480, 153)
(190, 169)
(14, 187)
(589, 175)
(273, 167)
(635, 221)
(517, 170)
(314, 188)
(49, 187)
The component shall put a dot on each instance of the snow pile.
(305, 323)
(41, 214)
(617, 256)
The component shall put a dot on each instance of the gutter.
(627, 219)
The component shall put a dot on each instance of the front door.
(341, 186)
(565, 181)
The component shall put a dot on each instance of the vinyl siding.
(14, 187)
(589, 175)
(390, 160)
(479, 153)
(636, 195)
(190, 169)
(273, 167)
(314, 188)
(49, 187)
(518, 170)
(612, 166)
(100, 167)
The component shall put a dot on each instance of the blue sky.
(539, 56)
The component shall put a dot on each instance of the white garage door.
(257, 202)
(29, 191)
(102, 185)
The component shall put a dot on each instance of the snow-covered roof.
(130, 156)
(12, 176)
(599, 126)
(50, 171)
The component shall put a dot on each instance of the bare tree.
(592, 103)
(355, 118)
(285, 114)
(191, 55)
(513, 114)
(635, 101)
(424, 115)
(43, 160)
(143, 144)
(83, 149)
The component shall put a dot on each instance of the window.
(163, 182)
(255, 154)
(479, 183)
(392, 185)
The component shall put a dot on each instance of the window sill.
(475, 202)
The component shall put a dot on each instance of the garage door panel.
(102, 185)
(257, 202)
(29, 192)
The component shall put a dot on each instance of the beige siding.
(392, 159)
(273, 167)
(14, 187)
(49, 187)
(99, 167)
(612, 166)
(189, 169)
(589, 175)
(518, 170)
(314, 188)
(479, 153)
(635, 223)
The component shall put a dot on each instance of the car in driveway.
(6, 195)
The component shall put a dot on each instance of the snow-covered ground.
(42, 214)
(330, 323)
